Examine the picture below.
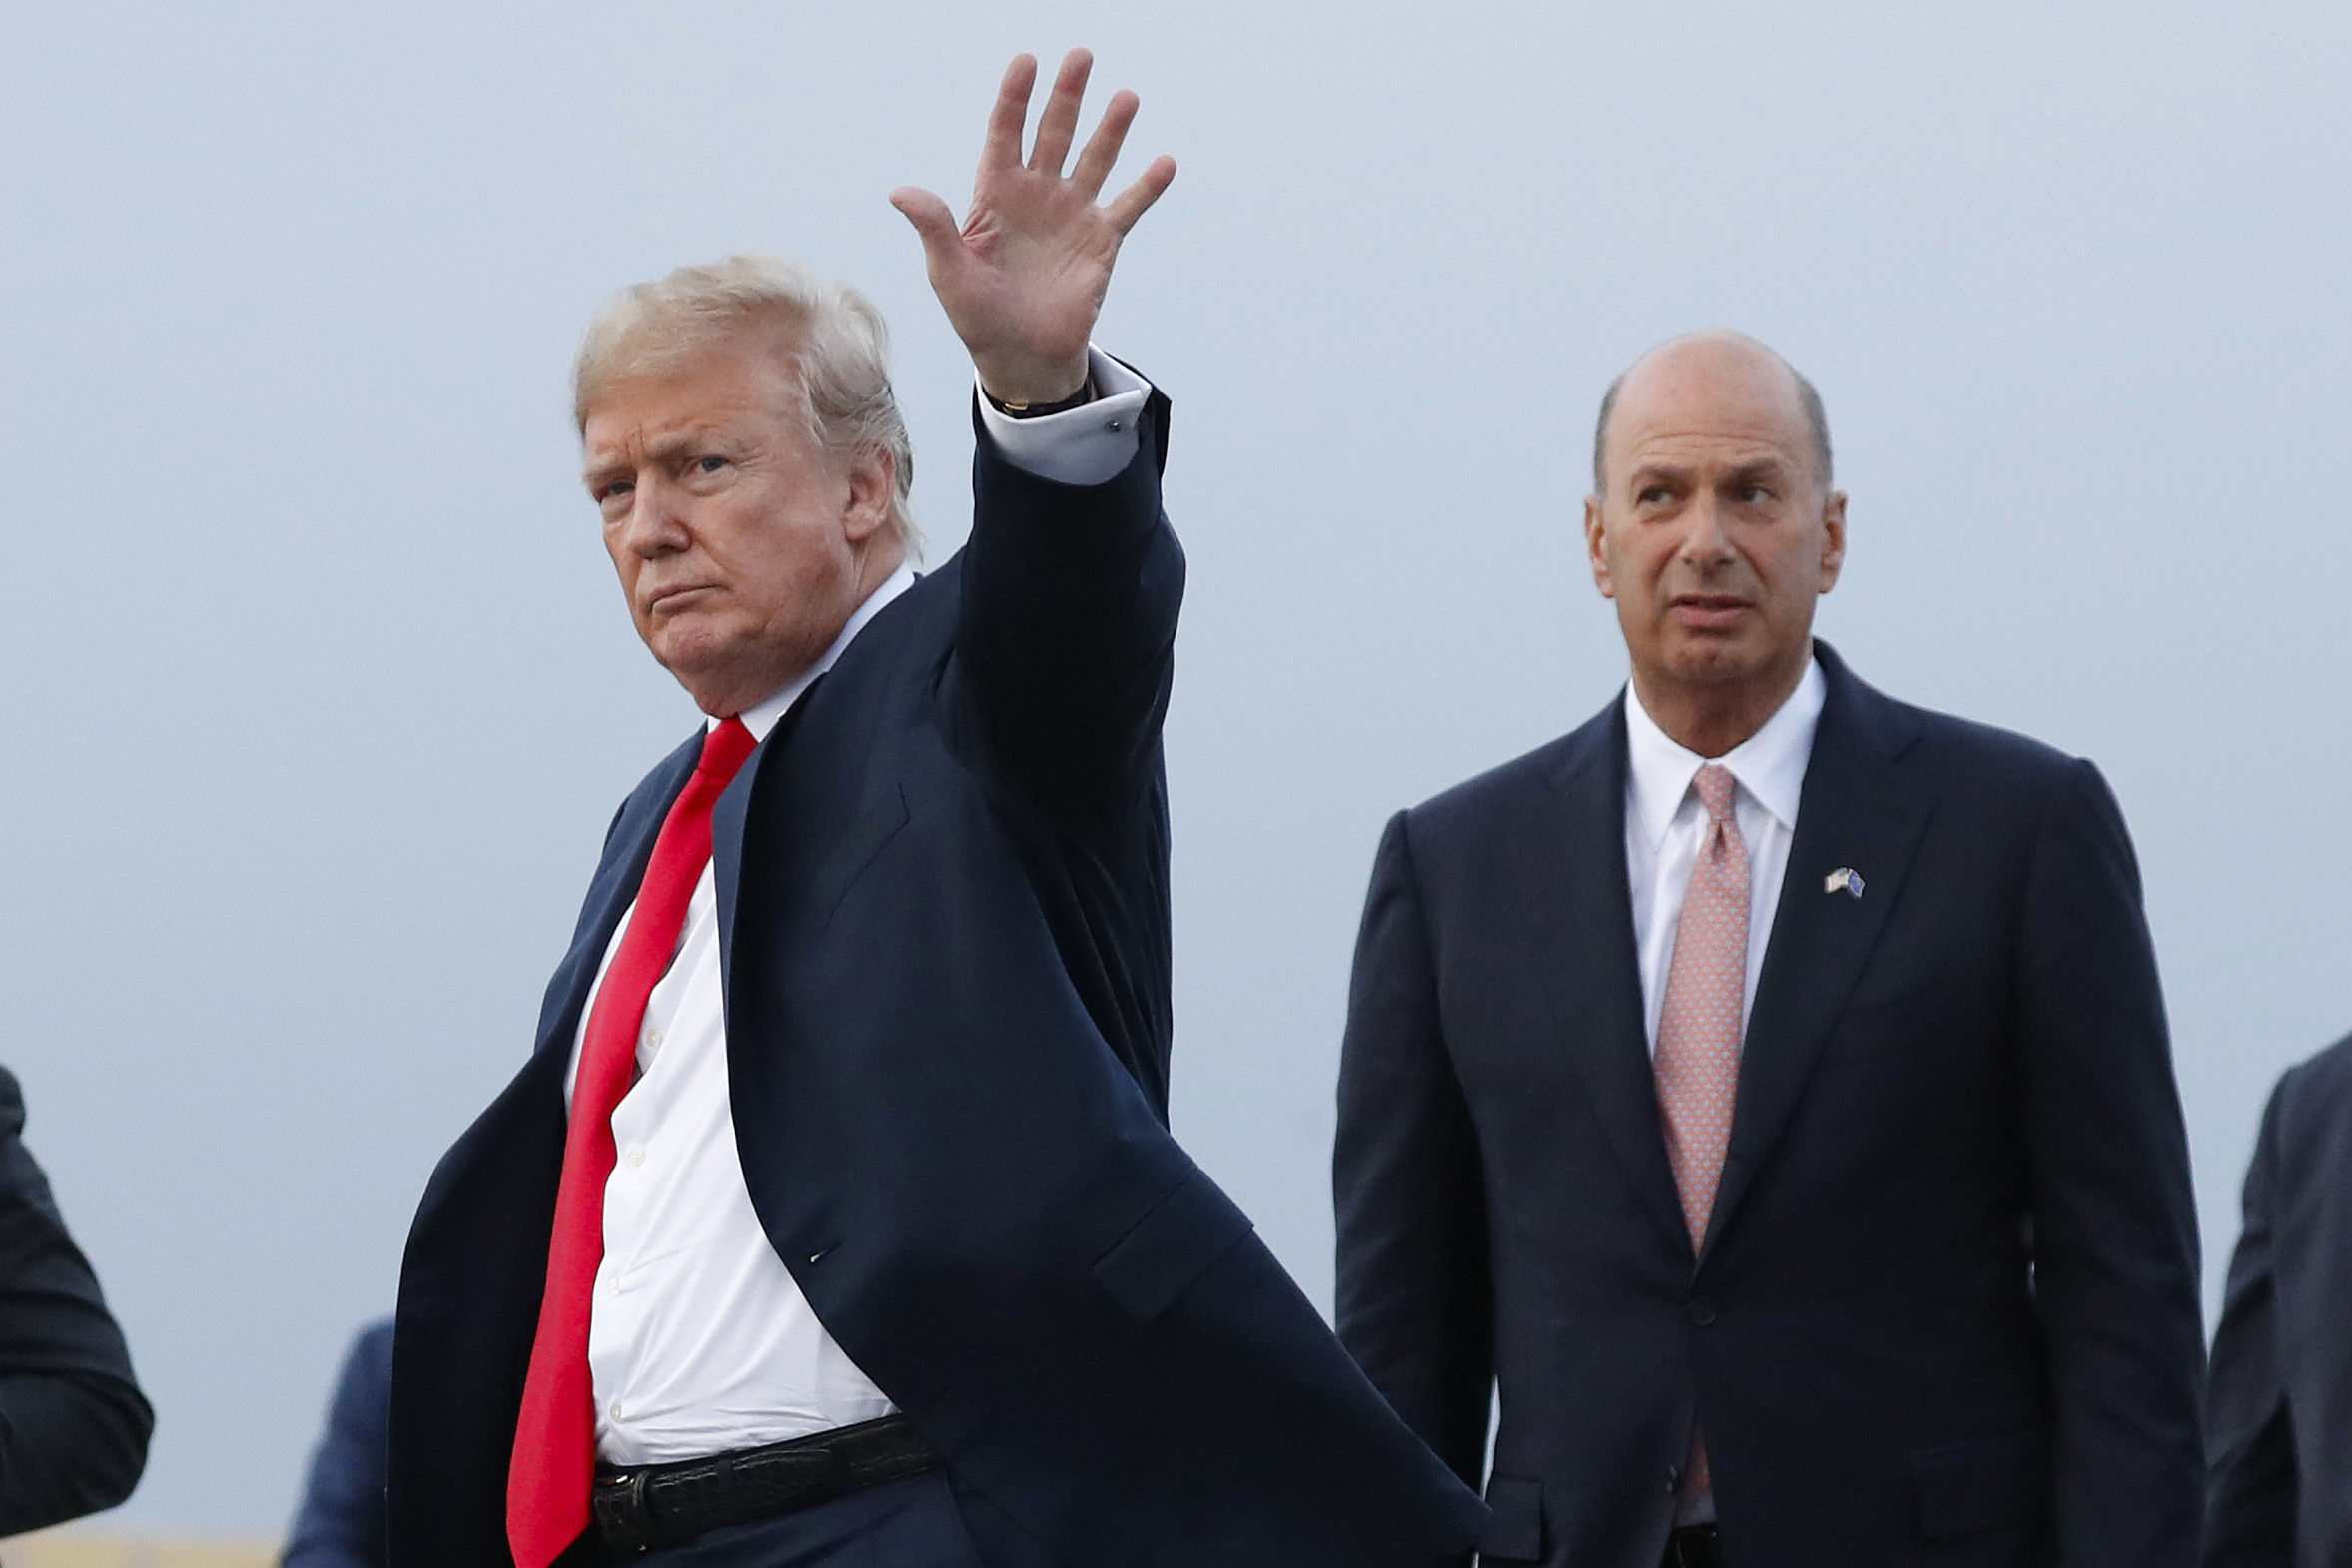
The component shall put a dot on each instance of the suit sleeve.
(2114, 1221)
(2250, 1497)
(73, 1424)
(341, 1521)
(1064, 644)
(1415, 1296)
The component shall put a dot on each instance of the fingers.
(932, 220)
(1059, 123)
(1101, 148)
(1133, 202)
(1002, 150)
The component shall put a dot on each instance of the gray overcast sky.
(318, 694)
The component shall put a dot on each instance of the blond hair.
(840, 352)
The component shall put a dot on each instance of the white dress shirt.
(1665, 825)
(699, 1341)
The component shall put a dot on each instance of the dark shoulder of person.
(73, 1424)
(340, 1522)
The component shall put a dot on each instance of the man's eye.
(1651, 497)
(709, 464)
(614, 492)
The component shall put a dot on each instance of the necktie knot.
(725, 749)
(1716, 788)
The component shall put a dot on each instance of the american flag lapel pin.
(1844, 880)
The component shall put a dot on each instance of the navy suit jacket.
(73, 1424)
(340, 1521)
(2281, 1418)
(943, 929)
(1947, 1307)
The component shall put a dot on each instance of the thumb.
(931, 219)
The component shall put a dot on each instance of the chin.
(1706, 662)
(687, 648)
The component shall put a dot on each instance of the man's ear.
(873, 486)
(1595, 548)
(1833, 540)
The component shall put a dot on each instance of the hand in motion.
(1023, 279)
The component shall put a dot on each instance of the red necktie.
(554, 1465)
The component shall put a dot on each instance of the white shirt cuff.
(1089, 444)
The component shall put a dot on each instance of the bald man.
(1765, 1088)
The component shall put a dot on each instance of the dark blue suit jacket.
(2281, 1417)
(340, 1521)
(73, 1424)
(1948, 1308)
(943, 927)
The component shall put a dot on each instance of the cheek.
(1788, 568)
(1648, 558)
(624, 561)
(771, 559)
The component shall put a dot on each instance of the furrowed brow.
(661, 449)
(1649, 473)
(1758, 471)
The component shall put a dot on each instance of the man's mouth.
(669, 601)
(1707, 611)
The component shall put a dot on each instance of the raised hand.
(1023, 279)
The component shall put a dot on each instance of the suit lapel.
(731, 816)
(609, 896)
(727, 821)
(1577, 915)
(1859, 809)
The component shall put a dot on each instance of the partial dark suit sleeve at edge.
(341, 1523)
(73, 1424)
(2251, 1496)
(2114, 1222)
(1414, 1294)
(1065, 646)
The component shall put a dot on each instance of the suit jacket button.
(1701, 1311)
(1673, 1480)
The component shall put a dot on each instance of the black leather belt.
(1694, 1546)
(641, 1507)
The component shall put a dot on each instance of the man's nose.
(657, 520)
(1703, 543)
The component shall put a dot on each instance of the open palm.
(1022, 277)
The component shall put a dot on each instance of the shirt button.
(615, 1409)
(637, 1154)
(653, 1040)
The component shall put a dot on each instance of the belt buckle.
(623, 1518)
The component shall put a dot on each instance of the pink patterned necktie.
(1699, 1026)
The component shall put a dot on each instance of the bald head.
(1713, 526)
(1727, 366)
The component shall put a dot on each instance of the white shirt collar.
(1769, 765)
(761, 718)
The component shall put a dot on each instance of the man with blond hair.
(834, 1218)
(1764, 1089)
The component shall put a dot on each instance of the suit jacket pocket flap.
(1514, 1532)
(1179, 1239)
(1981, 1485)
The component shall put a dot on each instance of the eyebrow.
(1740, 474)
(1760, 468)
(661, 448)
